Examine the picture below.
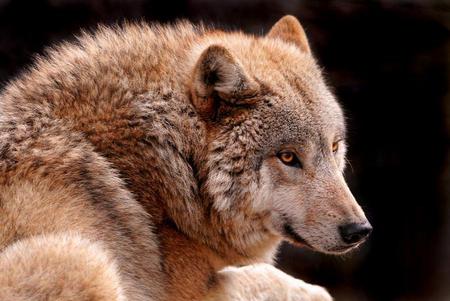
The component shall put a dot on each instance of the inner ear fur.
(218, 76)
(290, 30)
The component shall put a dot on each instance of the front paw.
(260, 282)
(296, 289)
(299, 290)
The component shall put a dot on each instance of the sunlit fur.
(158, 145)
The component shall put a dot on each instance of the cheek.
(263, 191)
(271, 181)
(281, 186)
(280, 175)
(288, 200)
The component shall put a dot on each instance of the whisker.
(350, 164)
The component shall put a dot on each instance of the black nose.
(353, 233)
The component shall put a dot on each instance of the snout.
(355, 233)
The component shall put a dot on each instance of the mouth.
(294, 237)
(342, 250)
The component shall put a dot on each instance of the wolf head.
(275, 139)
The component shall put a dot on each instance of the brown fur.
(158, 146)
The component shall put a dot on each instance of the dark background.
(388, 62)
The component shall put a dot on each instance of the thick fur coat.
(142, 162)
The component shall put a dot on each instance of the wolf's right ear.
(218, 77)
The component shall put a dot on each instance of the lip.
(344, 249)
(293, 236)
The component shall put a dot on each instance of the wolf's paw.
(302, 291)
(265, 282)
(296, 289)
(293, 289)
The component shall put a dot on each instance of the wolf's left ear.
(290, 30)
(218, 77)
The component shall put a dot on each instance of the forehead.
(297, 102)
(290, 122)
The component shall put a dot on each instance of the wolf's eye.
(335, 146)
(289, 158)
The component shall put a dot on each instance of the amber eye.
(335, 146)
(289, 158)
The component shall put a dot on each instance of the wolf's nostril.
(353, 233)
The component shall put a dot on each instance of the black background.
(388, 62)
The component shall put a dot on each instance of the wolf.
(151, 162)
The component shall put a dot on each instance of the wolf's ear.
(290, 30)
(219, 77)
